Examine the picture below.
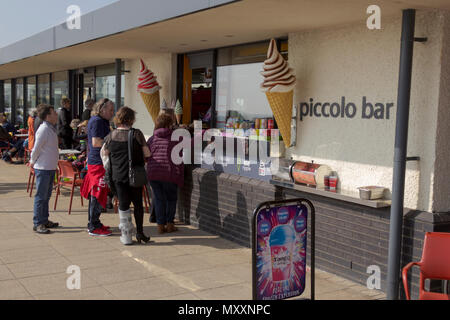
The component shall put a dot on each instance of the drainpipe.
(400, 158)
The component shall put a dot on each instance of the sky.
(20, 19)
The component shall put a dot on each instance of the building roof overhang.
(117, 31)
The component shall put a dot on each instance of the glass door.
(83, 88)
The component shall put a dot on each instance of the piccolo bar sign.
(345, 109)
(281, 252)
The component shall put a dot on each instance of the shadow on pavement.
(11, 187)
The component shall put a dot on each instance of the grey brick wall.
(349, 237)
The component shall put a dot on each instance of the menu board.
(281, 252)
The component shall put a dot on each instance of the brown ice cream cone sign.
(279, 82)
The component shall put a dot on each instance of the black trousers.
(128, 195)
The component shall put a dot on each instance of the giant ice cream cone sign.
(279, 83)
(149, 90)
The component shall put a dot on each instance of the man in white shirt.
(44, 160)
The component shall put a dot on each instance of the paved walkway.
(186, 265)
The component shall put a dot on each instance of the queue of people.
(163, 175)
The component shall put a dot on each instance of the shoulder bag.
(137, 174)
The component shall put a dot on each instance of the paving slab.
(186, 265)
(152, 288)
(12, 289)
(55, 283)
(95, 293)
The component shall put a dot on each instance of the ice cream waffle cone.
(152, 103)
(281, 105)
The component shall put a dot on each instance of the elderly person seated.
(8, 128)
(17, 146)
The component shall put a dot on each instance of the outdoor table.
(65, 152)
(68, 151)
(22, 135)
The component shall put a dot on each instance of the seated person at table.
(18, 148)
(8, 128)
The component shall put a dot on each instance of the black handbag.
(137, 174)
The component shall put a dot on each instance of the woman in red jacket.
(164, 176)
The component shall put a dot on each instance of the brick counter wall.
(349, 237)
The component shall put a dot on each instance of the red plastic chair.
(435, 264)
(27, 155)
(67, 171)
(30, 179)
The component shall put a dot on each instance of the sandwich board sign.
(279, 250)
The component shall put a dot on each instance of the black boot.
(142, 237)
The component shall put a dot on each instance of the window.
(60, 87)
(44, 89)
(7, 90)
(19, 114)
(105, 83)
(31, 94)
(239, 99)
(238, 96)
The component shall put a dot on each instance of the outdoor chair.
(435, 264)
(67, 172)
(27, 154)
(31, 177)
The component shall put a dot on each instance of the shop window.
(44, 89)
(240, 103)
(239, 100)
(60, 88)
(105, 83)
(19, 114)
(105, 87)
(31, 95)
(7, 96)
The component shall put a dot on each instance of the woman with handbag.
(164, 176)
(127, 153)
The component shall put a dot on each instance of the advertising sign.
(280, 252)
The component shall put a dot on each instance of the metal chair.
(435, 264)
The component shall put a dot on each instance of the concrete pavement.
(186, 265)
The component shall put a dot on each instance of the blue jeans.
(44, 187)
(166, 194)
(95, 210)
